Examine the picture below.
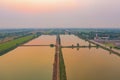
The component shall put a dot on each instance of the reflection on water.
(36, 63)
(68, 40)
(89, 64)
(43, 40)
(29, 63)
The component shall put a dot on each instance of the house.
(104, 38)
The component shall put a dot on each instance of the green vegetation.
(109, 44)
(62, 67)
(117, 48)
(112, 45)
(114, 34)
(52, 45)
(5, 47)
(14, 33)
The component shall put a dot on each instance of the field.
(5, 47)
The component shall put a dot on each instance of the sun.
(38, 5)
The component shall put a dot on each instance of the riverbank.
(105, 47)
(8, 46)
(110, 49)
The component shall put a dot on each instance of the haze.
(59, 14)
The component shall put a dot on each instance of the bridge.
(54, 45)
(78, 46)
(32, 45)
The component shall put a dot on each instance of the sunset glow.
(38, 5)
(60, 13)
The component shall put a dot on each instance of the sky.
(59, 14)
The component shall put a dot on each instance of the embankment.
(8, 46)
(62, 67)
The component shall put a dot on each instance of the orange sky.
(59, 13)
(38, 5)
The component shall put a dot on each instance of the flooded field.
(36, 62)
(43, 40)
(68, 40)
(29, 63)
(89, 64)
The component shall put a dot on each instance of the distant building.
(96, 37)
(106, 39)
(117, 44)
(67, 32)
(101, 38)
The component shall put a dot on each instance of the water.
(43, 40)
(29, 63)
(89, 64)
(36, 63)
(68, 40)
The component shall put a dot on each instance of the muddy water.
(68, 40)
(36, 63)
(89, 64)
(29, 63)
(43, 40)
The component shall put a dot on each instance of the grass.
(109, 44)
(5, 47)
(118, 48)
(112, 45)
(62, 67)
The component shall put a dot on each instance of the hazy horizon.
(59, 14)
